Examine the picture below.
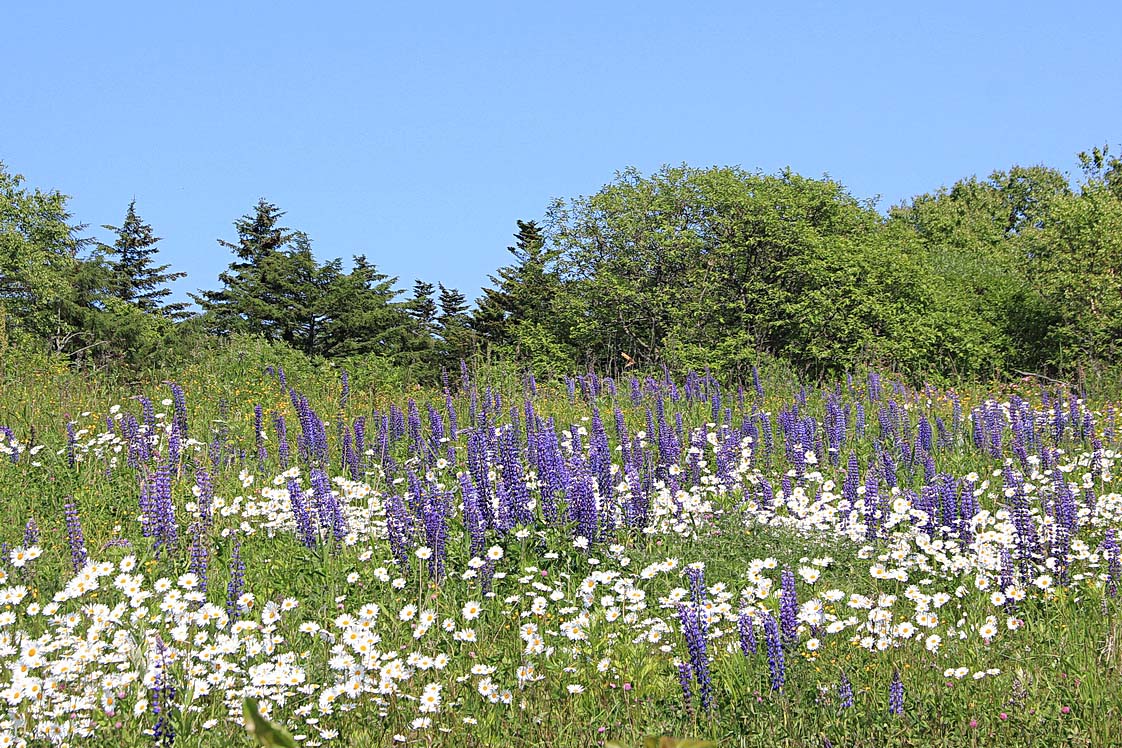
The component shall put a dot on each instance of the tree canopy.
(684, 268)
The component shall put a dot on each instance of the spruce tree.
(422, 307)
(133, 277)
(253, 294)
(521, 292)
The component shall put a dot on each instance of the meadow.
(500, 561)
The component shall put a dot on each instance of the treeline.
(715, 268)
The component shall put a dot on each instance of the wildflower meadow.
(500, 561)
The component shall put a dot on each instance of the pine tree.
(132, 276)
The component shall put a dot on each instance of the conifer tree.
(521, 292)
(252, 297)
(133, 277)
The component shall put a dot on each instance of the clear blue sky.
(417, 134)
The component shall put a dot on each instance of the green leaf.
(263, 731)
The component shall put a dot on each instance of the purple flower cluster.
(75, 538)
(695, 631)
(896, 694)
(776, 664)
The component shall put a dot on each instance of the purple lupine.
(359, 429)
(75, 538)
(472, 516)
(1113, 555)
(581, 501)
(845, 692)
(71, 443)
(788, 606)
(328, 508)
(200, 554)
(259, 435)
(685, 680)
(638, 505)
(305, 527)
(179, 405)
(434, 515)
(775, 662)
(349, 458)
(747, 631)
(852, 480)
(766, 494)
(453, 428)
(163, 509)
(283, 450)
(695, 630)
(30, 533)
(696, 577)
(149, 412)
(236, 586)
(175, 447)
(205, 494)
(872, 498)
(896, 694)
(399, 528)
(161, 696)
(147, 507)
(486, 576)
(416, 439)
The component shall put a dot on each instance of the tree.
(521, 295)
(134, 278)
(251, 298)
(456, 338)
(1076, 265)
(39, 249)
(422, 307)
(982, 240)
(366, 318)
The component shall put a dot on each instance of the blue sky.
(418, 134)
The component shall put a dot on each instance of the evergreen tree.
(422, 307)
(252, 297)
(457, 340)
(365, 318)
(453, 304)
(521, 293)
(133, 278)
